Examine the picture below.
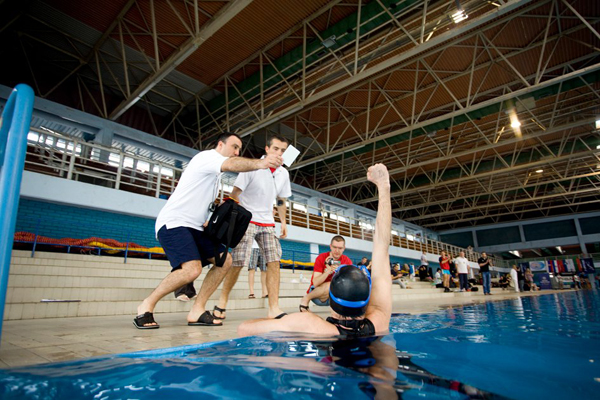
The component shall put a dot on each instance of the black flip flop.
(303, 308)
(206, 319)
(145, 318)
(221, 310)
(280, 316)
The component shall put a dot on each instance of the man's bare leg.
(230, 280)
(188, 272)
(320, 292)
(263, 283)
(211, 282)
(251, 281)
(273, 288)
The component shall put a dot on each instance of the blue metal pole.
(14, 128)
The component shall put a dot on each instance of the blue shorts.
(446, 271)
(183, 244)
(317, 301)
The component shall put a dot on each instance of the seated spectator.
(504, 282)
(397, 276)
(364, 261)
(423, 276)
(438, 279)
(406, 270)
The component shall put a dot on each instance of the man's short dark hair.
(277, 137)
(224, 136)
(338, 238)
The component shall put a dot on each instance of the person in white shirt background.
(256, 191)
(462, 267)
(514, 276)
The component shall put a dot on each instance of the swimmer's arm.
(379, 309)
(296, 322)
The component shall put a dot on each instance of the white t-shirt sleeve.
(286, 188)
(242, 180)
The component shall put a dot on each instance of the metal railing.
(14, 125)
(62, 156)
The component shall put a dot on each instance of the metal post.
(35, 237)
(14, 127)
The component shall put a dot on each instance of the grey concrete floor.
(38, 341)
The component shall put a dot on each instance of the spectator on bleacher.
(361, 303)
(180, 228)
(445, 266)
(423, 276)
(325, 266)
(462, 267)
(424, 260)
(397, 276)
(256, 191)
(406, 270)
(438, 279)
(504, 281)
(484, 268)
(363, 261)
(257, 262)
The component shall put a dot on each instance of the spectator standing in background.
(484, 268)
(445, 266)
(462, 267)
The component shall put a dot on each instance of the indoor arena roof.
(483, 111)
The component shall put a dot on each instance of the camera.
(332, 262)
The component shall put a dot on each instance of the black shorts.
(183, 244)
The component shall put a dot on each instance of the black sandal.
(206, 319)
(221, 310)
(146, 318)
(303, 308)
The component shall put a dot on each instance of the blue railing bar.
(16, 118)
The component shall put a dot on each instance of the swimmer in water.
(361, 303)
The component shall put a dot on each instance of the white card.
(290, 155)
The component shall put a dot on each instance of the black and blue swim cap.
(350, 290)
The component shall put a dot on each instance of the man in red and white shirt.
(256, 192)
(325, 266)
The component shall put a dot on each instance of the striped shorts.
(267, 241)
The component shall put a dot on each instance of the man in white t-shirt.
(256, 191)
(180, 228)
(462, 267)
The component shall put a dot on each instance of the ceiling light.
(459, 16)
(539, 171)
(515, 124)
(329, 42)
(598, 124)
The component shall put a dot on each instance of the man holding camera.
(325, 266)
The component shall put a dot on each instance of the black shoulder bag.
(227, 226)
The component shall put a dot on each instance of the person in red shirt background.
(445, 266)
(325, 266)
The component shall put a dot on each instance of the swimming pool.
(531, 347)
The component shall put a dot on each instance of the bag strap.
(220, 259)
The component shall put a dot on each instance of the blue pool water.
(527, 348)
